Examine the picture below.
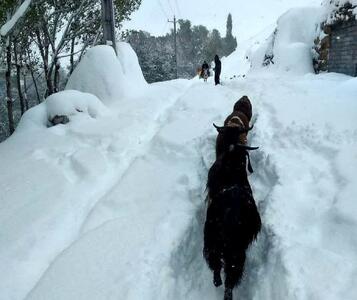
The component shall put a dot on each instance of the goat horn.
(217, 127)
(246, 147)
(221, 128)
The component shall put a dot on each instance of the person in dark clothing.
(205, 71)
(217, 69)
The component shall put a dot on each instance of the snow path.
(153, 237)
(141, 238)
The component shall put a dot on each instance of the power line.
(162, 9)
(172, 10)
(175, 43)
(178, 9)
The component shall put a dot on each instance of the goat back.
(237, 215)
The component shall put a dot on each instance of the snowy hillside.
(111, 205)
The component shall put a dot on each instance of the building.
(337, 50)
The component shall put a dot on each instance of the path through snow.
(142, 239)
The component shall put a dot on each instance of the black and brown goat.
(240, 118)
(244, 106)
(232, 221)
(236, 128)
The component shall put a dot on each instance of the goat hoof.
(228, 294)
(217, 280)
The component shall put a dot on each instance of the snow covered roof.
(340, 10)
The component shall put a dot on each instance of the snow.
(331, 7)
(9, 25)
(111, 205)
(108, 77)
(70, 103)
(290, 45)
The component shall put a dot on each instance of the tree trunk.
(18, 78)
(29, 68)
(56, 78)
(35, 84)
(8, 86)
(72, 56)
(44, 54)
(25, 91)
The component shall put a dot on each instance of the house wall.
(343, 48)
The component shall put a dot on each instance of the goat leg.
(217, 280)
(228, 294)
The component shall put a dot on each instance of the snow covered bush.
(68, 103)
(340, 10)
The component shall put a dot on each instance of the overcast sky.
(249, 16)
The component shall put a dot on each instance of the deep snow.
(111, 205)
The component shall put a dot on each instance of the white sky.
(249, 16)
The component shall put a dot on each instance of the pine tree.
(230, 42)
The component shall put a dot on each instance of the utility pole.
(175, 43)
(108, 23)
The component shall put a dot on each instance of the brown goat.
(240, 117)
(245, 106)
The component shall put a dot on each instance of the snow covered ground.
(111, 205)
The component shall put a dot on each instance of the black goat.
(240, 117)
(236, 129)
(233, 221)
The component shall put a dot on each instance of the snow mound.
(289, 48)
(130, 64)
(295, 37)
(238, 64)
(72, 102)
(109, 78)
(69, 103)
(99, 73)
(286, 47)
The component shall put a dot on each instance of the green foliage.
(215, 44)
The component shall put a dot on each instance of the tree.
(49, 31)
(199, 38)
(215, 45)
(230, 42)
(185, 49)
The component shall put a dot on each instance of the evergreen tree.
(200, 39)
(185, 49)
(215, 45)
(230, 42)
